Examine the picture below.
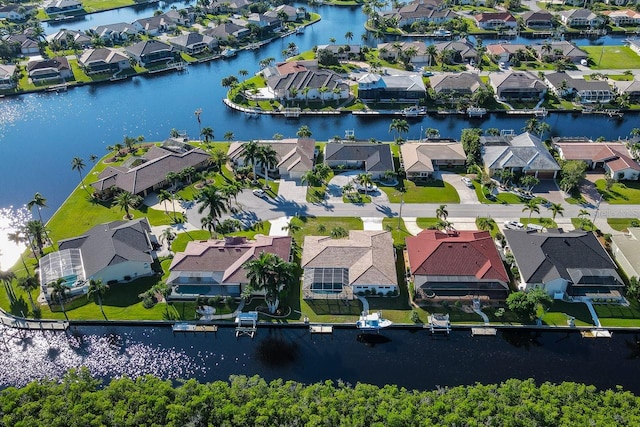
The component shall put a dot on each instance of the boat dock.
(321, 329)
(476, 111)
(247, 324)
(485, 332)
(596, 333)
(439, 323)
(34, 325)
(193, 327)
(537, 112)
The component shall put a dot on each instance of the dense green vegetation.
(79, 400)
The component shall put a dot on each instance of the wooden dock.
(483, 331)
(34, 325)
(321, 329)
(193, 327)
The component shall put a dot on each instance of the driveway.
(548, 189)
(334, 189)
(467, 195)
(293, 190)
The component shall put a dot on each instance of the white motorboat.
(372, 321)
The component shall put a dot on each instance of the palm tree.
(531, 125)
(270, 273)
(348, 36)
(168, 236)
(165, 196)
(443, 225)
(531, 206)
(125, 201)
(219, 158)
(583, 215)
(212, 199)
(399, 126)
(207, 133)
(29, 284)
(366, 181)
(304, 132)
(485, 224)
(93, 158)
(432, 51)
(347, 188)
(269, 158)
(197, 113)
(442, 213)
(37, 232)
(338, 232)
(59, 293)
(40, 202)
(292, 227)
(77, 164)
(250, 154)
(208, 223)
(97, 289)
(556, 208)
(228, 136)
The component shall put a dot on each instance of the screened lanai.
(66, 264)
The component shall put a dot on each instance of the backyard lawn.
(621, 193)
(617, 315)
(559, 313)
(612, 57)
(433, 191)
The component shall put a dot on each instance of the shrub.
(148, 302)
(415, 317)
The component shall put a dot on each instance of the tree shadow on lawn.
(335, 306)
(430, 183)
(126, 294)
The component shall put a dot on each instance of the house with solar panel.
(114, 252)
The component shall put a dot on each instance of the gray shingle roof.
(524, 151)
(112, 243)
(377, 157)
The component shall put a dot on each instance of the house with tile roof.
(456, 264)
(7, 76)
(392, 51)
(538, 19)
(118, 251)
(626, 250)
(622, 18)
(631, 88)
(456, 85)
(364, 262)
(142, 175)
(294, 156)
(517, 85)
(66, 37)
(375, 159)
(115, 33)
(613, 157)
(226, 30)
(560, 50)
(373, 86)
(495, 20)
(21, 43)
(426, 11)
(565, 262)
(581, 18)
(421, 159)
(522, 154)
(307, 85)
(503, 52)
(103, 60)
(154, 25)
(215, 267)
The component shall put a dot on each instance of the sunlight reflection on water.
(10, 219)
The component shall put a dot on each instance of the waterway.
(412, 359)
(41, 133)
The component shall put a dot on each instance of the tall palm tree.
(304, 132)
(228, 136)
(270, 273)
(556, 208)
(485, 224)
(432, 51)
(442, 213)
(219, 158)
(398, 126)
(37, 232)
(168, 236)
(29, 284)
(59, 293)
(209, 223)
(212, 199)
(268, 158)
(531, 206)
(126, 201)
(207, 133)
(77, 164)
(197, 113)
(40, 202)
(583, 215)
(250, 154)
(366, 181)
(165, 196)
(97, 289)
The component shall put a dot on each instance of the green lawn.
(621, 224)
(616, 315)
(558, 313)
(621, 193)
(398, 233)
(434, 191)
(494, 227)
(180, 243)
(96, 5)
(503, 198)
(586, 225)
(356, 198)
(612, 57)
(322, 226)
(425, 223)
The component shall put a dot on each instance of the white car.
(369, 189)
(467, 182)
(259, 193)
(513, 225)
(503, 65)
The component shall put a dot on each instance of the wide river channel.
(41, 133)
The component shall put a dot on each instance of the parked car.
(503, 65)
(467, 182)
(513, 225)
(369, 189)
(259, 193)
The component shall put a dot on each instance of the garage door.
(545, 175)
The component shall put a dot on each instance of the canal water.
(41, 133)
(408, 358)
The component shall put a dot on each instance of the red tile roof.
(463, 253)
